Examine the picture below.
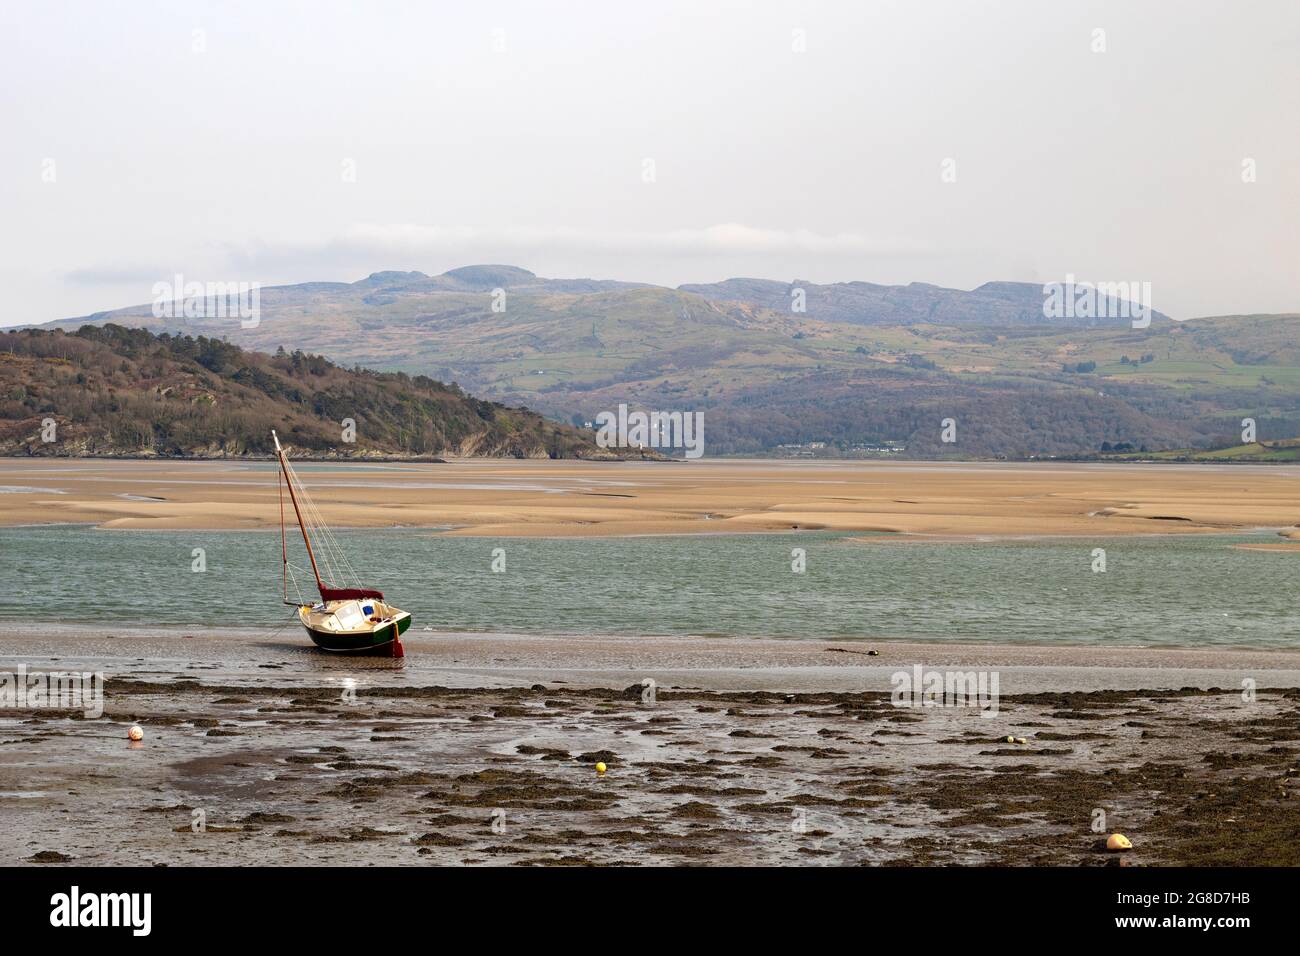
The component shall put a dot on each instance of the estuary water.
(1177, 590)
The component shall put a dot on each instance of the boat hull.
(376, 641)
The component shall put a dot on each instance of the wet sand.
(569, 498)
(482, 749)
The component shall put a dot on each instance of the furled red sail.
(349, 594)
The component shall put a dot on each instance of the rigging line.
(284, 546)
(296, 586)
(284, 466)
(325, 543)
(341, 563)
(286, 570)
(297, 489)
(333, 558)
(275, 631)
(339, 570)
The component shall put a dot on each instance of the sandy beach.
(570, 498)
(482, 749)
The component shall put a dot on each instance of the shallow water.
(1177, 590)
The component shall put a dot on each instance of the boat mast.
(284, 546)
(284, 466)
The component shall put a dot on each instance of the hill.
(865, 303)
(864, 365)
(116, 391)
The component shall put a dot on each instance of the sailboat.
(348, 620)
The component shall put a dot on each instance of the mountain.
(865, 303)
(116, 391)
(862, 366)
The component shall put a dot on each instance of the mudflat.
(573, 498)
(483, 749)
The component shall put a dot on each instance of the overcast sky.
(280, 142)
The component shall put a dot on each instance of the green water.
(1178, 590)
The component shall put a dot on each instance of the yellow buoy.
(136, 732)
(1118, 841)
(600, 768)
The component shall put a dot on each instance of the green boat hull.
(367, 642)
